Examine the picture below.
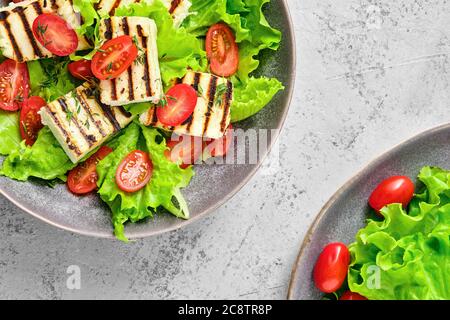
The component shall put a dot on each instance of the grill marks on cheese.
(210, 118)
(146, 78)
(16, 21)
(141, 82)
(80, 122)
(179, 9)
(174, 5)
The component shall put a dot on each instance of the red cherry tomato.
(114, 57)
(83, 179)
(397, 189)
(134, 172)
(331, 267)
(219, 147)
(222, 50)
(186, 151)
(14, 84)
(181, 102)
(81, 69)
(348, 295)
(30, 120)
(55, 34)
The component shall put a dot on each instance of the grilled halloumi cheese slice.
(211, 116)
(142, 81)
(80, 122)
(16, 22)
(179, 9)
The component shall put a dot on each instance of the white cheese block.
(142, 81)
(16, 22)
(81, 123)
(211, 116)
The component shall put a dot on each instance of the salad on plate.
(404, 251)
(122, 97)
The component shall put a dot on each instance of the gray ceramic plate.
(347, 210)
(212, 185)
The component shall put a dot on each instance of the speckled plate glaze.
(346, 212)
(211, 187)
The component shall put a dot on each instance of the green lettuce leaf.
(162, 191)
(45, 160)
(253, 94)
(251, 97)
(236, 6)
(9, 132)
(50, 78)
(205, 13)
(262, 36)
(407, 255)
(89, 27)
(178, 50)
(138, 108)
(86, 8)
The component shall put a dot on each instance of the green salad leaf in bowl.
(407, 255)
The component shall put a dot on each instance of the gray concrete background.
(370, 74)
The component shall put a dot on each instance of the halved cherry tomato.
(30, 120)
(134, 172)
(114, 57)
(181, 102)
(222, 50)
(14, 84)
(397, 189)
(186, 151)
(83, 179)
(348, 295)
(331, 267)
(219, 147)
(55, 34)
(81, 69)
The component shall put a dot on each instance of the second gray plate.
(347, 211)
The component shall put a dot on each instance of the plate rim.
(332, 200)
(232, 193)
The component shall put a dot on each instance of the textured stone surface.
(370, 74)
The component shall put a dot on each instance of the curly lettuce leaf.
(162, 191)
(178, 49)
(86, 8)
(410, 250)
(251, 97)
(9, 132)
(262, 36)
(205, 13)
(236, 6)
(45, 160)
